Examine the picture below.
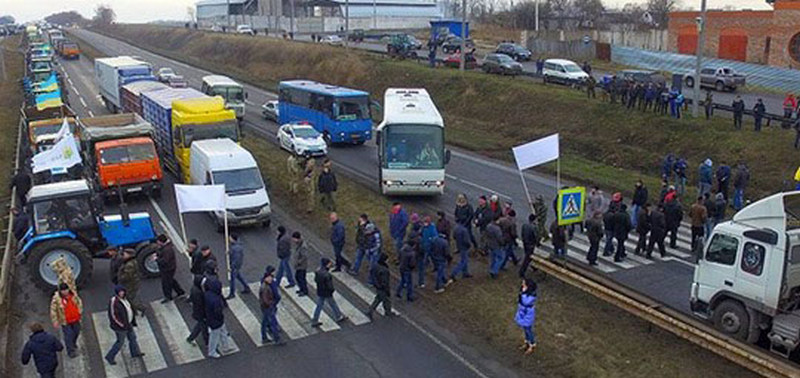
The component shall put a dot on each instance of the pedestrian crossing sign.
(570, 205)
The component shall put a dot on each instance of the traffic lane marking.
(309, 306)
(174, 330)
(246, 318)
(153, 358)
(348, 309)
(106, 338)
(286, 321)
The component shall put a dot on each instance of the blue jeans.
(703, 188)
(497, 260)
(284, 267)
(738, 198)
(121, 335)
(321, 302)
(530, 337)
(398, 244)
(708, 227)
(608, 249)
(405, 282)
(372, 256)
(463, 265)
(269, 322)
(560, 252)
(508, 255)
(360, 252)
(634, 213)
(236, 274)
(681, 185)
(71, 332)
(441, 266)
(422, 265)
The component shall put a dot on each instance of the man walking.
(167, 266)
(66, 310)
(723, 179)
(218, 336)
(740, 182)
(429, 235)
(559, 235)
(673, 212)
(508, 225)
(22, 181)
(337, 242)
(494, 243)
(123, 319)
(237, 261)
(408, 261)
(622, 226)
(325, 291)
(327, 186)
(293, 167)
(362, 243)
(398, 223)
(708, 104)
(284, 254)
(300, 263)
(530, 240)
(44, 348)
(464, 214)
(643, 227)
(608, 229)
(128, 277)
(309, 180)
(594, 230)
(658, 231)
(439, 256)
(382, 286)
(705, 178)
(269, 296)
(738, 112)
(639, 199)
(462, 240)
(197, 299)
(483, 216)
(699, 216)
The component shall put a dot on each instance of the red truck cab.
(130, 165)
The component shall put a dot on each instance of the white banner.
(200, 198)
(64, 154)
(63, 131)
(537, 152)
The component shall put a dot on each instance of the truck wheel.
(47, 252)
(266, 223)
(719, 86)
(146, 258)
(689, 82)
(731, 319)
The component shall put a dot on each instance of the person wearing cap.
(44, 348)
(338, 235)
(123, 319)
(269, 296)
(66, 309)
(362, 243)
(284, 254)
(236, 253)
(165, 257)
(496, 207)
(382, 287)
(300, 263)
(622, 227)
(128, 277)
(325, 292)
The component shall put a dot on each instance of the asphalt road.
(356, 347)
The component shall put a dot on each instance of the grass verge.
(580, 336)
(11, 97)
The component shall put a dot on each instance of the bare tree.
(588, 11)
(659, 10)
(104, 14)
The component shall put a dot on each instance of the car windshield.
(127, 154)
(572, 68)
(413, 147)
(504, 59)
(519, 48)
(166, 71)
(40, 130)
(62, 213)
(230, 94)
(209, 131)
(305, 132)
(239, 180)
(351, 108)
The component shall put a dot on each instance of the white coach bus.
(411, 150)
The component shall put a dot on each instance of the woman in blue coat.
(526, 314)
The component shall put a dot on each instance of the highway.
(355, 347)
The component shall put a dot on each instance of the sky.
(151, 10)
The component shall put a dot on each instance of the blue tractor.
(65, 223)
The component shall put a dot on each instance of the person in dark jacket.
(165, 257)
(123, 319)
(301, 263)
(462, 240)
(327, 186)
(758, 113)
(658, 231)
(711, 214)
(398, 224)
(508, 224)
(530, 240)
(408, 261)
(443, 226)
(622, 226)
(22, 181)
(673, 213)
(723, 179)
(200, 257)
(464, 215)
(21, 223)
(269, 296)
(428, 236)
(608, 230)
(382, 286)
(218, 336)
(482, 218)
(559, 240)
(325, 291)
(115, 261)
(740, 182)
(236, 252)
(643, 227)
(738, 112)
(639, 199)
(594, 230)
(44, 348)
(439, 255)
(284, 254)
(338, 234)
(362, 243)
(197, 299)
(494, 243)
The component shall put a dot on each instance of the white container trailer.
(112, 73)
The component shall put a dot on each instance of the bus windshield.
(230, 94)
(413, 147)
(239, 180)
(226, 129)
(127, 154)
(351, 108)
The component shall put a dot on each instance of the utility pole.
(374, 14)
(536, 19)
(701, 42)
(463, 63)
(291, 22)
(228, 13)
(346, 22)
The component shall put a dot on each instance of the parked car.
(501, 64)
(245, 29)
(563, 71)
(415, 43)
(642, 77)
(301, 139)
(515, 51)
(356, 35)
(164, 73)
(454, 61)
(333, 40)
(453, 44)
(270, 110)
(720, 78)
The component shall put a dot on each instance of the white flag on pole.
(537, 152)
(64, 154)
(200, 198)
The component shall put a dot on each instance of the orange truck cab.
(69, 50)
(122, 154)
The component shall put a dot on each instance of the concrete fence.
(306, 25)
(655, 40)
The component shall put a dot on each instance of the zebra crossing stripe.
(286, 321)
(574, 243)
(153, 358)
(601, 265)
(359, 289)
(628, 245)
(355, 315)
(246, 318)
(307, 305)
(175, 332)
(106, 337)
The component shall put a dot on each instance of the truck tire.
(146, 258)
(44, 254)
(732, 319)
(719, 86)
(690, 82)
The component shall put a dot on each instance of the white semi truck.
(112, 73)
(747, 278)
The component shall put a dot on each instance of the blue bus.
(341, 115)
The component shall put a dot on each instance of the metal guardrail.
(8, 251)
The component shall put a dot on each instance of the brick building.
(765, 37)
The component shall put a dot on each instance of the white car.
(164, 73)
(302, 139)
(333, 40)
(245, 29)
(563, 71)
(270, 110)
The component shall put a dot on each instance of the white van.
(223, 162)
(563, 71)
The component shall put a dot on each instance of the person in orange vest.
(66, 309)
(789, 105)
